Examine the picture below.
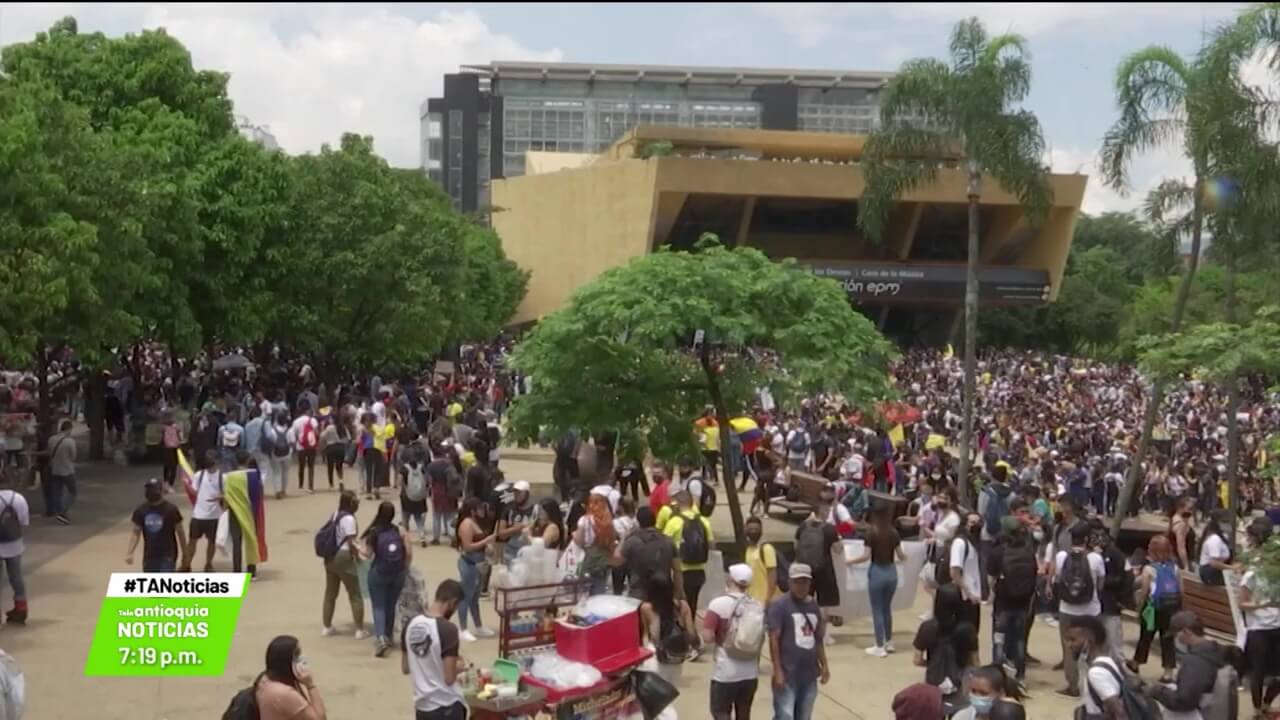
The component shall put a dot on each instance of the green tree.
(622, 353)
(1166, 100)
(372, 258)
(931, 113)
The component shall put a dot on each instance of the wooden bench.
(808, 487)
(1210, 604)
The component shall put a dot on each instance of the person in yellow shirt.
(693, 548)
(762, 558)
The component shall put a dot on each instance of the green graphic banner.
(166, 624)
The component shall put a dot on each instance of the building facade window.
(836, 118)
(455, 156)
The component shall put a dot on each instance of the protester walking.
(734, 624)
(157, 523)
(796, 629)
(15, 516)
(341, 553)
(1261, 605)
(304, 435)
(391, 552)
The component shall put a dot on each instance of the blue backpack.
(997, 509)
(1166, 586)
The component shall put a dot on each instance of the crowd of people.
(1055, 438)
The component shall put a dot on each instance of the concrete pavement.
(69, 568)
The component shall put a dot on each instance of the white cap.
(741, 574)
(521, 486)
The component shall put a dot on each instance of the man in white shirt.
(207, 510)
(15, 515)
(304, 436)
(1086, 637)
(733, 680)
(429, 655)
(798, 448)
(1068, 582)
(687, 479)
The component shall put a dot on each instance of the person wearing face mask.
(1199, 662)
(429, 655)
(762, 558)
(965, 569)
(989, 687)
(286, 690)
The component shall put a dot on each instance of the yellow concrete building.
(789, 194)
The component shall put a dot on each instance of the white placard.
(1232, 582)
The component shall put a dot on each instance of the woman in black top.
(883, 545)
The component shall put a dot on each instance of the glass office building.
(491, 115)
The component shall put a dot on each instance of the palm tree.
(1202, 104)
(932, 116)
(1163, 99)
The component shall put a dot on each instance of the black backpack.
(694, 545)
(388, 556)
(243, 705)
(811, 546)
(783, 569)
(707, 501)
(1018, 576)
(1075, 583)
(326, 540)
(10, 525)
(1137, 706)
(281, 446)
(942, 565)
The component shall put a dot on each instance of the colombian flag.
(242, 494)
(749, 433)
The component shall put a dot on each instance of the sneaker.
(484, 632)
(1068, 692)
(328, 632)
(381, 648)
(361, 634)
(888, 647)
(63, 519)
(467, 636)
(828, 639)
(1051, 622)
(877, 651)
(424, 543)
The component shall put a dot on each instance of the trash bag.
(653, 692)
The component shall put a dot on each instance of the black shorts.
(204, 528)
(725, 696)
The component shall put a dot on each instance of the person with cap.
(158, 523)
(517, 516)
(731, 620)
(796, 629)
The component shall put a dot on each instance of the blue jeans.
(795, 701)
(384, 593)
(469, 576)
(13, 568)
(442, 522)
(59, 494)
(1009, 638)
(882, 583)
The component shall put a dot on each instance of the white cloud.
(1146, 172)
(309, 72)
(812, 24)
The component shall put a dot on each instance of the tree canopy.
(621, 355)
(133, 209)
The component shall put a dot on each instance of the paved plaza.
(68, 568)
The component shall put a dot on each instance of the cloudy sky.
(312, 71)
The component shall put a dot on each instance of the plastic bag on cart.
(654, 694)
(606, 607)
(562, 673)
